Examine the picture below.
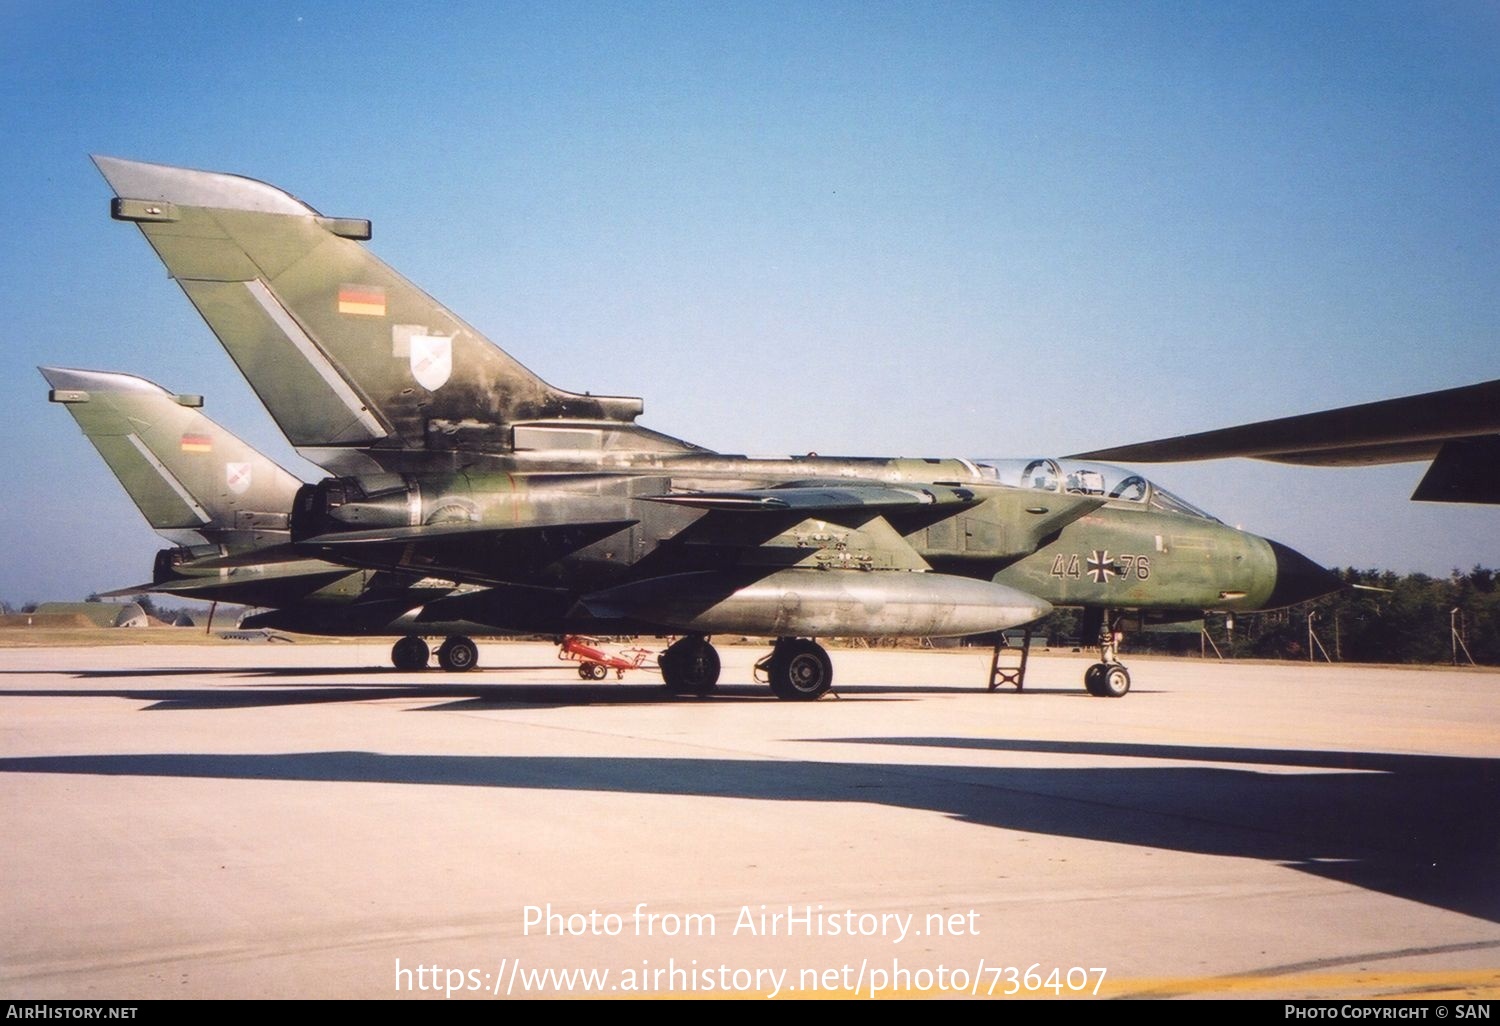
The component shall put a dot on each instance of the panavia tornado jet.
(214, 496)
(554, 511)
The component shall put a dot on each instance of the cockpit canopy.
(1088, 478)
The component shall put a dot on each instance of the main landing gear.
(689, 666)
(1107, 678)
(798, 669)
(457, 654)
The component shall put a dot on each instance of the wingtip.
(113, 169)
(99, 381)
(137, 179)
(54, 375)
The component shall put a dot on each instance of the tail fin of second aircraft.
(347, 355)
(193, 480)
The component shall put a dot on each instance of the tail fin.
(346, 354)
(193, 480)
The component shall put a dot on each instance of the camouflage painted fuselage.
(579, 532)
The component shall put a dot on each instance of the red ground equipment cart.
(594, 663)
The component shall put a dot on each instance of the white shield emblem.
(431, 360)
(237, 476)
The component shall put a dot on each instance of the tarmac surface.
(273, 821)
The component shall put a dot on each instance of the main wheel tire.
(1114, 682)
(458, 655)
(410, 654)
(690, 666)
(1092, 678)
(799, 670)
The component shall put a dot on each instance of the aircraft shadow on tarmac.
(269, 671)
(1421, 828)
(465, 690)
(255, 688)
(444, 696)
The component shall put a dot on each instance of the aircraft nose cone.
(1298, 578)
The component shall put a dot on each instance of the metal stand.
(1009, 674)
(1314, 643)
(1456, 630)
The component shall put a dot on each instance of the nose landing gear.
(1108, 678)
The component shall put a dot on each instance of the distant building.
(99, 614)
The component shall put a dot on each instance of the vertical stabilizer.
(192, 480)
(347, 355)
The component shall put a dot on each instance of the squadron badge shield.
(237, 476)
(431, 360)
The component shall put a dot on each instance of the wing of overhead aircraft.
(1458, 429)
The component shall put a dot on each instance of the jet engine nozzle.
(352, 504)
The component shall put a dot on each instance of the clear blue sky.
(993, 229)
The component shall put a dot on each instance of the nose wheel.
(1107, 678)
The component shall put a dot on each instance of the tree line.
(1409, 619)
(1383, 617)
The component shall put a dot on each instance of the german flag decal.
(364, 300)
(197, 443)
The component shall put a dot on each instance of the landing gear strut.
(689, 666)
(1107, 678)
(798, 669)
(456, 655)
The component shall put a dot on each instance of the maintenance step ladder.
(1013, 671)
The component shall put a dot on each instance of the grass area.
(52, 637)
